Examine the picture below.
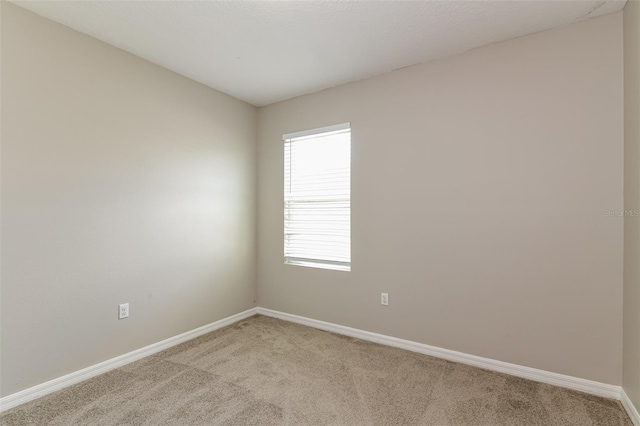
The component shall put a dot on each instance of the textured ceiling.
(266, 51)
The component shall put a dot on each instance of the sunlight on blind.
(317, 205)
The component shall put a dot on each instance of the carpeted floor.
(264, 371)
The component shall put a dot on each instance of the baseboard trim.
(631, 409)
(570, 382)
(575, 383)
(46, 388)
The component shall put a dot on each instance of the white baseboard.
(583, 385)
(570, 382)
(631, 409)
(43, 389)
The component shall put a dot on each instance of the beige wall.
(121, 182)
(631, 368)
(480, 184)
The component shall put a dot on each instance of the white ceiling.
(266, 51)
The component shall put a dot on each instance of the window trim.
(310, 134)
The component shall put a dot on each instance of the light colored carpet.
(264, 371)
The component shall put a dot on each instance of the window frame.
(311, 261)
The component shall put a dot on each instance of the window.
(317, 198)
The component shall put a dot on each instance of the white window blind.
(317, 198)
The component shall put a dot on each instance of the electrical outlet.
(384, 299)
(123, 311)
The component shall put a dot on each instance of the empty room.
(320, 212)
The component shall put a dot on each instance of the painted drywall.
(631, 364)
(484, 192)
(121, 182)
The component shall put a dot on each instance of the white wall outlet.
(123, 311)
(384, 299)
